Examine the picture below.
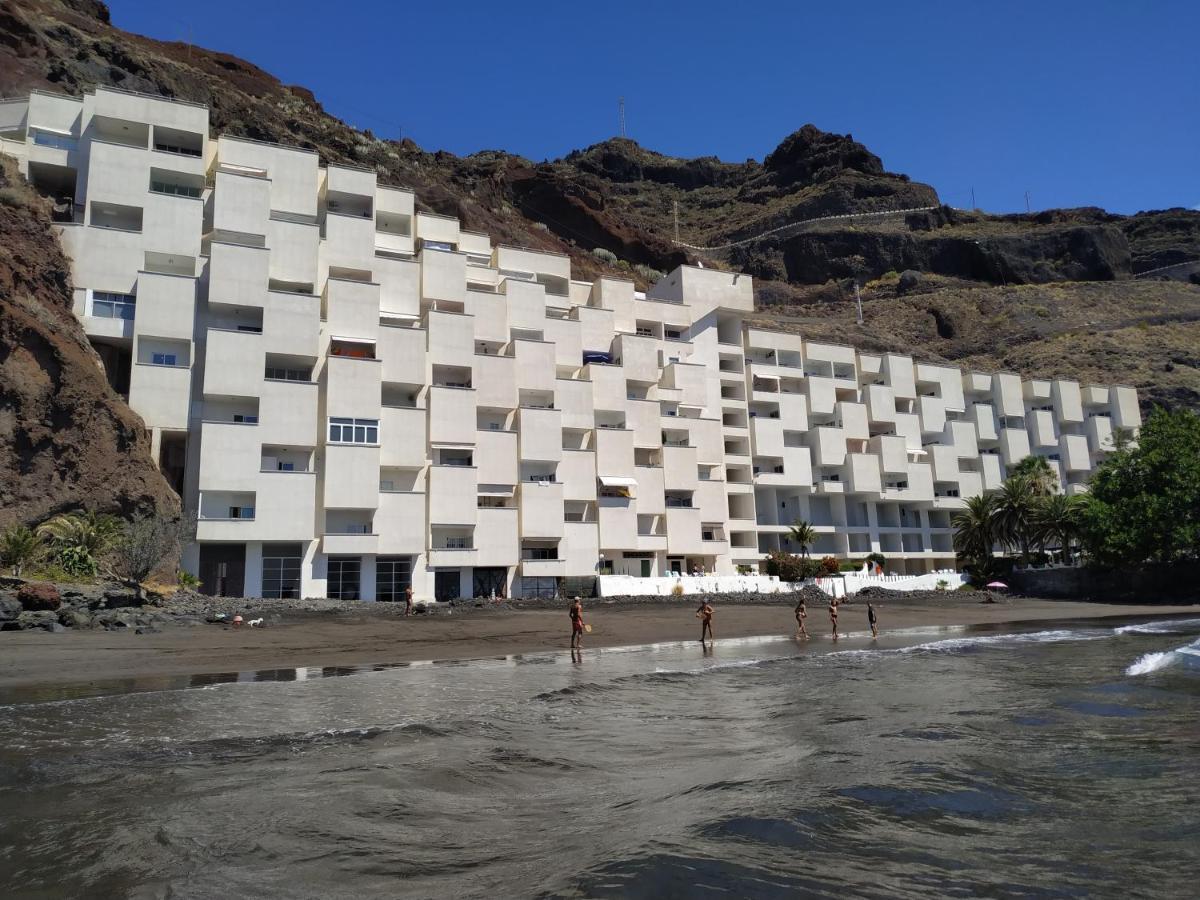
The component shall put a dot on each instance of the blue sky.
(1078, 103)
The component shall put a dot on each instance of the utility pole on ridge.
(621, 114)
(675, 211)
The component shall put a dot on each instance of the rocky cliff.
(619, 198)
(66, 439)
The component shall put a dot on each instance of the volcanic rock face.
(66, 439)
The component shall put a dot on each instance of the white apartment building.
(355, 396)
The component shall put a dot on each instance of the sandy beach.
(362, 638)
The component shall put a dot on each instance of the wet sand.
(360, 638)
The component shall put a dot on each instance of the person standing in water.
(833, 616)
(801, 615)
(705, 612)
(408, 600)
(577, 625)
(871, 620)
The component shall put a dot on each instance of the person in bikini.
(577, 625)
(871, 620)
(833, 613)
(705, 612)
(801, 615)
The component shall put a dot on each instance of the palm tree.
(1041, 475)
(18, 547)
(975, 530)
(1016, 501)
(87, 532)
(1059, 517)
(804, 534)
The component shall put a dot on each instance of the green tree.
(1059, 518)
(975, 532)
(803, 535)
(81, 540)
(1015, 502)
(1042, 477)
(19, 547)
(1144, 499)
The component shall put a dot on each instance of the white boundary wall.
(661, 586)
(853, 582)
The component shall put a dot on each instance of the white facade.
(353, 394)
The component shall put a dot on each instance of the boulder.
(39, 595)
(909, 279)
(10, 608)
(42, 618)
(119, 598)
(74, 618)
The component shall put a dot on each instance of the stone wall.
(1157, 584)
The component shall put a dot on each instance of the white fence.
(853, 582)
(664, 586)
(840, 586)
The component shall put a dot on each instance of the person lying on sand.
(801, 615)
(705, 612)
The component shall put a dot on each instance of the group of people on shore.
(705, 614)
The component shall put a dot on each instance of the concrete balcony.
(766, 435)
(350, 544)
(679, 468)
(234, 362)
(862, 474)
(166, 307)
(452, 415)
(540, 434)
(451, 339)
(577, 472)
(536, 366)
(453, 495)
(1014, 445)
(353, 387)
(352, 309)
(236, 531)
(350, 241)
(443, 276)
(544, 567)
(452, 557)
(288, 413)
(241, 203)
(292, 324)
(286, 506)
(618, 523)
(351, 476)
(496, 457)
(1073, 450)
(402, 351)
(541, 505)
(161, 395)
(400, 521)
(237, 274)
(574, 398)
(229, 457)
(294, 250)
(495, 380)
(402, 437)
(497, 539)
(351, 180)
(683, 531)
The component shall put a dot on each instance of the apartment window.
(534, 553)
(544, 479)
(393, 574)
(178, 190)
(345, 573)
(163, 147)
(57, 141)
(458, 543)
(282, 466)
(164, 359)
(274, 373)
(245, 418)
(644, 332)
(353, 431)
(439, 245)
(281, 570)
(107, 305)
(241, 512)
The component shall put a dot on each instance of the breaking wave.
(1153, 662)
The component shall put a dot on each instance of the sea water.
(1061, 761)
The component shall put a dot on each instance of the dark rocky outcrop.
(39, 595)
(67, 440)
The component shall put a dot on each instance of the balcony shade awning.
(495, 490)
(625, 486)
(758, 376)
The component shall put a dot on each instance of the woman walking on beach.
(801, 615)
(871, 620)
(833, 616)
(577, 625)
(705, 612)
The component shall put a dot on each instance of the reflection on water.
(975, 763)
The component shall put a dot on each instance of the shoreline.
(32, 660)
